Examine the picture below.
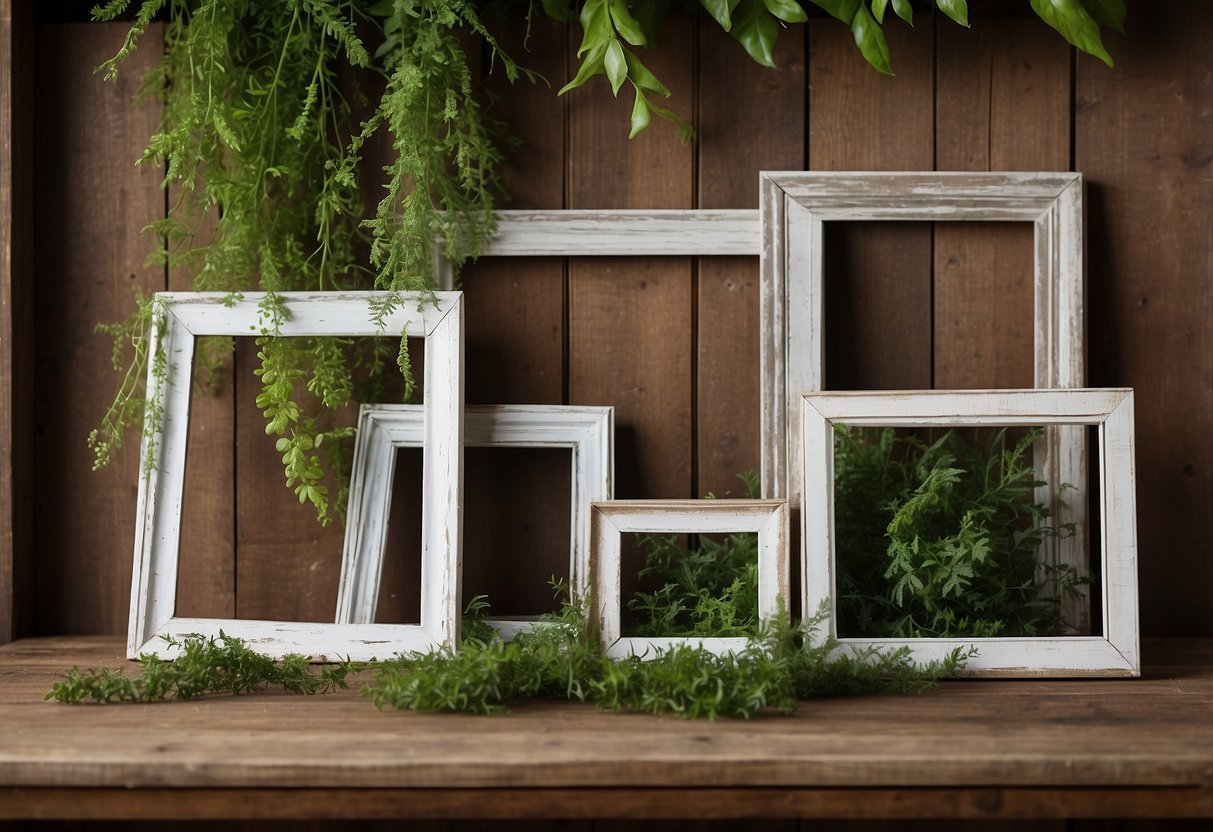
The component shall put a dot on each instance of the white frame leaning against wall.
(177, 319)
(1116, 651)
(588, 432)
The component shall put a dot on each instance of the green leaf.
(958, 10)
(616, 66)
(870, 40)
(721, 12)
(788, 11)
(756, 29)
(596, 24)
(1071, 20)
(627, 26)
(649, 15)
(843, 10)
(641, 76)
(904, 10)
(1110, 13)
(640, 114)
(591, 66)
(878, 8)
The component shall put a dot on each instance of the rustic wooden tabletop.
(1091, 748)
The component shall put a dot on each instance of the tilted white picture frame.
(587, 432)
(609, 521)
(178, 318)
(794, 207)
(1116, 651)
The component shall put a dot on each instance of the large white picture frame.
(588, 432)
(1114, 653)
(177, 319)
(609, 521)
(794, 207)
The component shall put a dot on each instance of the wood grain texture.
(516, 343)
(630, 319)
(1142, 137)
(735, 95)
(976, 748)
(16, 318)
(90, 258)
(878, 279)
(1002, 103)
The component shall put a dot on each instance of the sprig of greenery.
(612, 29)
(202, 667)
(943, 539)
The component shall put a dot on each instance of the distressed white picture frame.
(609, 521)
(619, 233)
(178, 318)
(587, 432)
(1114, 653)
(794, 207)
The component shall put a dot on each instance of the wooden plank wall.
(672, 342)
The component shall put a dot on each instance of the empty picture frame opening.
(516, 532)
(946, 532)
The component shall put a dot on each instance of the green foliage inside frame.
(269, 109)
(943, 539)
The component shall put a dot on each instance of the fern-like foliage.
(943, 538)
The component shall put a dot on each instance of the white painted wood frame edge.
(177, 319)
(1117, 652)
(609, 521)
(588, 432)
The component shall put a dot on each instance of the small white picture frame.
(178, 318)
(1114, 653)
(588, 432)
(609, 521)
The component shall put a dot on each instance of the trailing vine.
(268, 112)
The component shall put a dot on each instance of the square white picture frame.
(794, 207)
(609, 521)
(588, 432)
(178, 318)
(1117, 651)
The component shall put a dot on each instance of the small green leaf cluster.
(202, 667)
(942, 539)
(560, 660)
(707, 589)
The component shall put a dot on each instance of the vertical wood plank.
(630, 320)
(90, 257)
(750, 119)
(206, 571)
(1142, 137)
(16, 317)
(877, 277)
(1002, 103)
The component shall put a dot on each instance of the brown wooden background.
(671, 343)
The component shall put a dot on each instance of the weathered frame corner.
(588, 432)
(609, 521)
(1117, 651)
(177, 319)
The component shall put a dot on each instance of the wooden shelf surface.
(1089, 748)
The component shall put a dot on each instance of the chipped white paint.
(178, 318)
(1116, 653)
(620, 233)
(588, 432)
(609, 521)
(795, 205)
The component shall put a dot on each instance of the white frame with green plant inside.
(177, 319)
(588, 432)
(795, 205)
(1113, 653)
(609, 521)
